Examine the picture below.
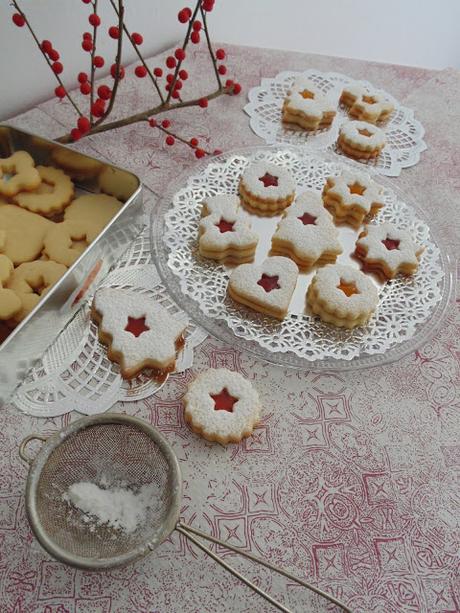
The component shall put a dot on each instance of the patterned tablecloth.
(351, 481)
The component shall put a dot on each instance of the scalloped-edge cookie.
(305, 106)
(266, 189)
(366, 105)
(361, 140)
(227, 237)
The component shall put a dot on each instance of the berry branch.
(95, 21)
(211, 52)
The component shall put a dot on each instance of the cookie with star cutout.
(139, 333)
(364, 104)
(388, 251)
(306, 233)
(361, 140)
(266, 189)
(227, 237)
(305, 106)
(222, 406)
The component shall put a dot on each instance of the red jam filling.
(269, 180)
(136, 326)
(225, 226)
(223, 401)
(308, 219)
(391, 243)
(269, 283)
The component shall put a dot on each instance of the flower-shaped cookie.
(54, 193)
(266, 189)
(387, 251)
(306, 234)
(365, 105)
(266, 288)
(21, 233)
(65, 242)
(222, 406)
(138, 332)
(94, 210)
(342, 296)
(227, 237)
(306, 106)
(17, 173)
(351, 197)
(10, 303)
(361, 140)
(221, 204)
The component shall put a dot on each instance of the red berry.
(87, 36)
(220, 54)
(140, 71)
(170, 61)
(98, 61)
(137, 38)
(82, 77)
(104, 92)
(18, 20)
(57, 67)
(175, 94)
(222, 69)
(184, 15)
(158, 72)
(94, 20)
(178, 84)
(203, 102)
(86, 1)
(87, 44)
(46, 46)
(196, 26)
(60, 91)
(98, 108)
(183, 74)
(170, 140)
(153, 123)
(114, 32)
(180, 54)
(113, 71)
(236, 89)
(217, 151)
(85, 88)
(53, 55)
(199, 153)
(195, 37)
(165, 123)
(207, 5)
(75, 134)
(168, 87)
(229, 83)
(170, 77)
(83, 125)
(194, 142)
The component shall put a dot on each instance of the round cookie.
(21, 233)
(75, 164)
(222, 406)
(18, 172)
(361, 140)
(65, 242)
(266, 188)
(51, 196)
(10, 303)
(95, 211)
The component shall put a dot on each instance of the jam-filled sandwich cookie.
(361, 140)
(307, 234)
(221, 204)
(342, 296)
(387, 251)
(365, 105)
(54, 193)
(266, 288)
(139, 332)
(17, 173)
(351, 197)
(227, 237)
(222, 406)
(307, 107)
(10, 303)
(266, 189)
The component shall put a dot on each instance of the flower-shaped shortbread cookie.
(388, 250)
(220, 204)
(138, 332)
(365, 105)
(361, 140)
(306, 234)
(17, 173)
(227, 237)
(10, 303)
(306, 106)
(342, 296)
(266, 189)
(351, 197)
(54, 193)
(222, 406)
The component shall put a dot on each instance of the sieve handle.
(22, 447)
(188, 531)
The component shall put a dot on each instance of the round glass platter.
(410, 308)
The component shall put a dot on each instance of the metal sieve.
(128, 451)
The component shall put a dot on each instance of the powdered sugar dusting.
(251, 180)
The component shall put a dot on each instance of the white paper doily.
(75, 374)
(403, 132)
(408, 307)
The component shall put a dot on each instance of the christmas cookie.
(361, 140)
(306, 106)
(77, 165)
(95, 211)
(17, 173)
(65, 242)
(222, 204)
(266, 189)
(266, 288)
(227, 237)
(10, 303)
(306, 234)
(342, 296)
(222, 406)
(387, 251)
(21, 233)
(118, 183)
(139, 332)
(54, 193)
(351, 197)
(365, 105)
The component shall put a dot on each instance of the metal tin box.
(36, 332)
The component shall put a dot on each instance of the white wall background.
(414, 32)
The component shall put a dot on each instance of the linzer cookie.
(388, 251)
(266, 288)
(17, 173)
(222, 406)
(306, 234)
(307, 107)
(139, 332)
(365, 105)
(222, 204)
(342, 296)
(351, 197)
(361, 140)
(227, 237)
(266, 189)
